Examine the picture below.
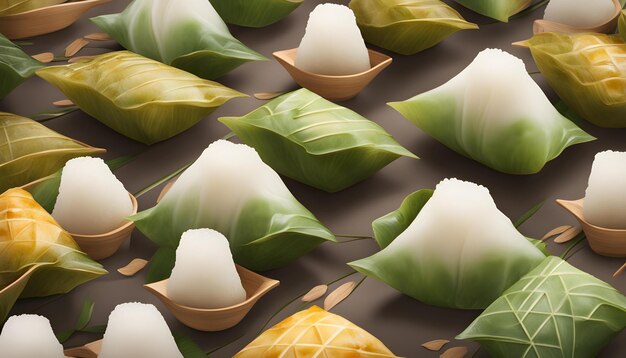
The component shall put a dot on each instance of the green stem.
(229, 136)
(52, 114)
(534, 73)
(354, 236)
(353, 240)
(580, 238)
(223, 345)
(162, 180)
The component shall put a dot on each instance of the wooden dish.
(607, 27)
(606, 242)
(333, 88)
(46, 19)
(89, 350)
(210, 320)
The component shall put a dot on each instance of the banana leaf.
(191, 37)
(11, 7)
(421, 258)
(484, 113)
(556, 310)
(254, 13)
(37, 257)
(622, 24)
(407, 26)
(309, 139)
(15, 66)
(138, 97)
(229, 189)
(500, 10)
(29, 150)
(315, 332)
(586, 71)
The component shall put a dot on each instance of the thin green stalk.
(354, 236)
(52, 114)
(528, 214)
(223, 346)
(353, 240)
(162, 180)
(577, 240)
(229, 136)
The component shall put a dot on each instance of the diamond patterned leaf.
(556, 310)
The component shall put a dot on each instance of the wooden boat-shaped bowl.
(606, 242)
(333, 88)
(607, 27)
(211, 320)
(89, 350)
(46, 19)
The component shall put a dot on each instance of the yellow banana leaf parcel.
(37, 257)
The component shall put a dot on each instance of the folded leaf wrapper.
(192, 37)
(424, 256)
(138, 97)
(315, 333)
(254, 13)
(11, 7)
(229, 189)
(587, 71)
(37, 257)
(15, 66)
(29, 150)
(407, 26)
(500, 10)
(309, 139)
(494, 113)
(556, 310)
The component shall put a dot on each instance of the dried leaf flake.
(267, 95)
(455, 352)
(620, 270)
(556, 231)
(133, 267)
(339, 294)
(435, 345)
(98, 36)
(45, 57)
(568, 235)
(63, 103)
(75, 46)
(315, 293)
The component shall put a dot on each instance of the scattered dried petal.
(267, 95)
(556, 231)
(315, 293)
(620, 270)
(80, 58)
(63, 103)
(45, 57)
(133, 267)
(75, 46)
(455, 352)
(339, 294)
(98, 36)
(435, 345)
(568, 235)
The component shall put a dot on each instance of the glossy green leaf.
(307, 138)
(188, 348)
(15, 66)
(407, 26)
(11, 7)
(556, 310)
(586, 71)
(229, 189)
(254, 13)
(29, 150)
(138, 97)
(191, 37)
(30, 239)
(500, 10)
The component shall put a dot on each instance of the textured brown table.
(400, 322)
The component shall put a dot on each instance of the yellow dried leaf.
(436, 344)
(98, 36)
(455, 352)
(132, 267)
(45, 57)
(75, 46)
(63, 103)
(556, 231)
(267, 95)
(568, 235)
(315, 293)
(620, 270)
(339, 294)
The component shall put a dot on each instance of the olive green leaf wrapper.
(254, 13)
(500, 10)
(585, 71)
(138, 97)
(621, 24)
(245, 201)
(29, 150)
(192, 37)
(407, 26)
(556, 310)
(15, 66)
(307, 138)
(37, 257)
(11, 7)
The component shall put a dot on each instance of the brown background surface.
(400, 322)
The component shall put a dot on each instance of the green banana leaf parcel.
(407, 26)
(192, 37)
(254, 13)
(556, 310)
(15, 66)
(307, 138)
(140, 98)
(500, 10)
